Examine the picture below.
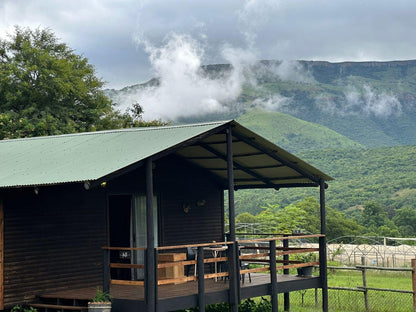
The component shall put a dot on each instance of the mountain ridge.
(371, 103)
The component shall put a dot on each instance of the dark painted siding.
(177, 182)
(180, 184)
(52, 240)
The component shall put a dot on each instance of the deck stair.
(52, 304)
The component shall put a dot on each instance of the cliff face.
(372, 103)
(327, 72)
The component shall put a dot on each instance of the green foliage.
(245, 217)
(292, 133)
(101, 296)
(47, 89)
(304, 215)
(384, 176)
(23, 308)
(282, 220)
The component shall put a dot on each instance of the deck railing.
(263, 252)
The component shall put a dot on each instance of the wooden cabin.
(121, 209)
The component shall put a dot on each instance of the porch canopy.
(95, 157)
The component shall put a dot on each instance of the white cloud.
(184, 89)
(365, 100)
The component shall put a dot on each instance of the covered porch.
(268, 274)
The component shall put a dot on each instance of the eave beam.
(238, 166)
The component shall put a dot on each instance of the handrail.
(263, 256)
(123, 248)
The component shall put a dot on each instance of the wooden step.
(58, 307)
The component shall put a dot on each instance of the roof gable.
(95, 155)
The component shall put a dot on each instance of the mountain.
(371, 103)
(355, 121)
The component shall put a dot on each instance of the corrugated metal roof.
(86, 156)
(94, 155)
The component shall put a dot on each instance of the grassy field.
(349, 301)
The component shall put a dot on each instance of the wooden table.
(172, 272)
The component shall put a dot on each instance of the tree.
(373, 215)
(405, 219)
(245, 217)
(282, 220)
(46, 89)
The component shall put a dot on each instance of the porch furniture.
(215, 252)
(190, 255)
(171, 272)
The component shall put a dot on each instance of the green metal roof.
(94, 155)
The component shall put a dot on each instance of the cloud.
(276, 102)
(184, 88)
(365, 101)
(291, 70)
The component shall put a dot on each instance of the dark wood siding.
(52, 240)
(181, 184)
(177, 182)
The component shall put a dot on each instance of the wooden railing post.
(414, 283)
(273, 275)
(286, 296)
(156, 287)
(106, 271)
(234, 278)
(201, 279)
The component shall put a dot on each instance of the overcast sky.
(122, 38)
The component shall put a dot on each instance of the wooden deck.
(181, 296)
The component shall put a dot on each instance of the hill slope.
(293, 134)
(386, 175)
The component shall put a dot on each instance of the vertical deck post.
(201, 279)
(106, 271)
(230, 175)
(233, 248)
(273, 275)
(286, 296)
(150, 270)
(1, 254)
(322, 248)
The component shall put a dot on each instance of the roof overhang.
(95, 157)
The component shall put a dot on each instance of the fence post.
(363, 271)
(414, 283)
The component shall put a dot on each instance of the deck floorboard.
(131, 292)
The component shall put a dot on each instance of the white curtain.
(138, 230)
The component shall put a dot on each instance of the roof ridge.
(117, 131)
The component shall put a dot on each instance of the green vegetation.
(381, 179)
(23, 308)
(101, 296)
(46, 89)
(341, 300)
(294, 134)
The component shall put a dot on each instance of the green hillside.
(371, 103)
(386, 175)
(293, 134)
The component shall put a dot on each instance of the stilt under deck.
(181, 296)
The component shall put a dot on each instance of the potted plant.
(23, 308)
(306, 258)
(101, 302)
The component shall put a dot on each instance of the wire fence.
(361, 288)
